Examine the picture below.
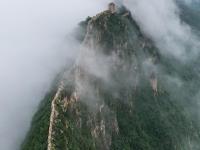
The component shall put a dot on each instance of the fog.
(160, 20)
(189, 1)
(35, 43)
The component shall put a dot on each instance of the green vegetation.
(131, 118)
(36, 139)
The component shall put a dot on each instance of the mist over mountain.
(119, 80)
(36, 42)
(190, 13)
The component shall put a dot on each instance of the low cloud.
(36, 43)
(160, 20)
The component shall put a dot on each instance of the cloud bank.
(160, 20)
(35, 43)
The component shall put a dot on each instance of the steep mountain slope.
(114, 97)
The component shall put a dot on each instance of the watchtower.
(112, 7)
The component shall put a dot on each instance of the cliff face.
(113, 97)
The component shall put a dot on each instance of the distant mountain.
(114, 97)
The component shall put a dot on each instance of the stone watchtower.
(112, 7)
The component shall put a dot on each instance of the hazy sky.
(33, 48)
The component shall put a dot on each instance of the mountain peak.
(113, 97)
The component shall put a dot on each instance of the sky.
(36, 42)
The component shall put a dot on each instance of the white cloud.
(33, 48)
(160, 20)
